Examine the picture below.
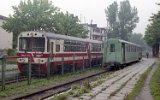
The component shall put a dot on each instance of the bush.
(11, 52)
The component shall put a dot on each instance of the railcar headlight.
(22, 60)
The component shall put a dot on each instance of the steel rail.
(41, 94)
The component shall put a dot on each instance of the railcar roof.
(59, 36)
(120, 40)
(123, 41)
(65, 37)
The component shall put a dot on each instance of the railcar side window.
(112, 47)
(74, 46)
(67, 46)
(57, 48)
(95, 47)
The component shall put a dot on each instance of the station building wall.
(6, 38)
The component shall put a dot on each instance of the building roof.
(3, 17)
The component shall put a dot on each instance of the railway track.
(45, 93)
(117, 87)
(48, 92)
(14, 80)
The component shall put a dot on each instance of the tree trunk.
(155, 50)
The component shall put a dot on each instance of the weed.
(61, 96)
(103, 89)
(100, 81)
(83, 90)
(81, 98)
(91, 95)
(71, 92)
(125, 97)
(75, 86)
(76, 94)
(3, 94)
(87, 85)
(94, 85)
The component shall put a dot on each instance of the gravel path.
(120, 85)
(145, 92)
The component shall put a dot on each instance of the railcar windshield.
(32, 44)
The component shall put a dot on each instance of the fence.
(11, 74)
(9, 71)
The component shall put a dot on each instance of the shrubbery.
(11, 52)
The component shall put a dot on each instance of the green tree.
(136, 38)
(122, 21)
(112, 23)
(31, 16)
(41, 15)
(68, 24)
(152, 33)
(127, 19)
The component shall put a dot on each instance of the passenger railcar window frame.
(112, 47)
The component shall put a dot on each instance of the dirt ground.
(145, 92)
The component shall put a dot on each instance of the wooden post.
(62, 66)
(29, 70)
(74, 63)
(48, 68)
(39, 73)
(90, 61)
(83, 63)
(96, 60)
(3, 59)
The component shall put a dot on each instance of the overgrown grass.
(139, 85)
(155, 84)
(23, 88)
(78, 90)
(75, 86)
(84, 88)
(62, 96)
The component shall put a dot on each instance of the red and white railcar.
(39, 46)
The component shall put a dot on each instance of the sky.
(88, 10)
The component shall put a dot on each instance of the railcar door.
(123, 53)
(52, 47)
(112, 52)
(51, 59)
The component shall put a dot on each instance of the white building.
(94, 32)
(6, 39)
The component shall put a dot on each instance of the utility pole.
(90, 29)
(105, 46)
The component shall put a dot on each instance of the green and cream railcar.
(118, 52)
